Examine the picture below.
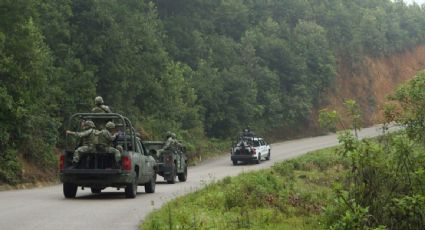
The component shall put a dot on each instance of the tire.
(235, 162)
(258, 161)
(172, 178)
(69, 190)
(131, 189)
(150, 186)
(268, 156)
(96, 190)
(183, 176)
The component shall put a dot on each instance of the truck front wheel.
(69, 190)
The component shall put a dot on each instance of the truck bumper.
(243, 157)
(97, 177)
(164, 169)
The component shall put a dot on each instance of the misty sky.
(420, 2)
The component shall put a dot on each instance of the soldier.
(87, 140)
(105, 141)
(169, 143)
(100, 107)
(176, 143)
(247, 132)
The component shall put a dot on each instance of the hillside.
(371, 85)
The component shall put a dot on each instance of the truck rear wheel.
(69, 190)
(172, 177)
(268, 156)
(183, 176)
(150, 186)
(131, 189)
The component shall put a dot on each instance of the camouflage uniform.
(105, 139)
(168, 145)
(100, 107)
(87, 140)
(176, 144)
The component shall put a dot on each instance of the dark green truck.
(171, 162)
(99, 170)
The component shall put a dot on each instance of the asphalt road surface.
(47, 209)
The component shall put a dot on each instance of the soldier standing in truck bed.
(169, 142)
(100, 107)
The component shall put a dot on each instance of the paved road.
(46, 209)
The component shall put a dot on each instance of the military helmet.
(173, 135)
(90, 124)
(168, 134)
(98, 100)
(110, 125)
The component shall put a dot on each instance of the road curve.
(47, 209)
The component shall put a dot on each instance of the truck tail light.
(253, 151)
(61, 162)
(126, 163)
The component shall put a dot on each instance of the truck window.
(137, 149)
(140, 148)
(256, 143)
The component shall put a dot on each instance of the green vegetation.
(291, 195)
(201, 68)
(362, 184)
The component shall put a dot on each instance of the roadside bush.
(383, 184)
(407, 212)
(411, 97)
(10, 168)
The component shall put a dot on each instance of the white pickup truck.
(250, 149)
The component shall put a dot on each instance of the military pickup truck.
(171, 162)
(249, 147)
(98, 170)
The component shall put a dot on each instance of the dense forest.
(201, 68)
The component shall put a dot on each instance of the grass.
(290, 195)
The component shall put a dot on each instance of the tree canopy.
(201, 68)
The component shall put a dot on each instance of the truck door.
(146, 165)
(263, 148)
